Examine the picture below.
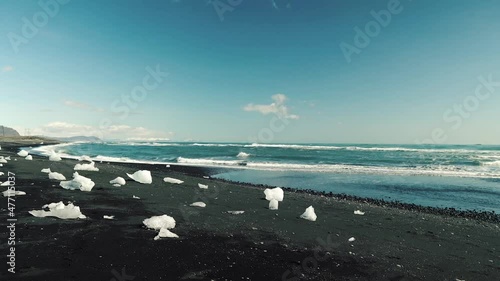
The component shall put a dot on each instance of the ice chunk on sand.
(55, 157)
(56, 176)
(7, 183)
(3, 160)
(118, 181)
(136, 197)
(168, 166)
(29, 157)
(198, 204)
(59, 210)
(159, 222)
(86, 167)
(202, 186)
(78, 182)
(163, 224)
(1, 173)
(142, 176)
(10, 193)
(309, 214)
(85, 158)
(206, 177)
(351, 239)
(108, 217)
(7, 158)
(46, 170)
(242, 155)
(273, 204)
(165, 233)
(23, 153)
(235, 212)
(117, 185)
(358, 212)
(172, 180)
(275, 193)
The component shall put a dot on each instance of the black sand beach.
(392, 241)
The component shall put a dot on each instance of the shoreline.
(200, 171)
(390, 243)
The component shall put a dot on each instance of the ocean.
(458, 176)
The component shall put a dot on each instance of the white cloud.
(63, 129)
(81, 105)
(58, 128)
(278, 107)
(7, 68)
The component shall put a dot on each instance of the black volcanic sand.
(391, 243)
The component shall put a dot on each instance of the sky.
(289, 71)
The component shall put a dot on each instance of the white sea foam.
(360, 148)
(243, 155)
(216, 144)
(142, 144)
(492, 163)
(85, 158)
(55, 157)
(293, 146)
(208, 162)
(488, 167)
(428, 170)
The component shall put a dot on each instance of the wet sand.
(390, 243)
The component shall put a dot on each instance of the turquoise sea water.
(465, 177)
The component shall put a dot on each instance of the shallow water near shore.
(451, 192)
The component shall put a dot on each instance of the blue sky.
(266, 71)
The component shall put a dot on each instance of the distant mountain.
(8, 132)
(78, 138)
